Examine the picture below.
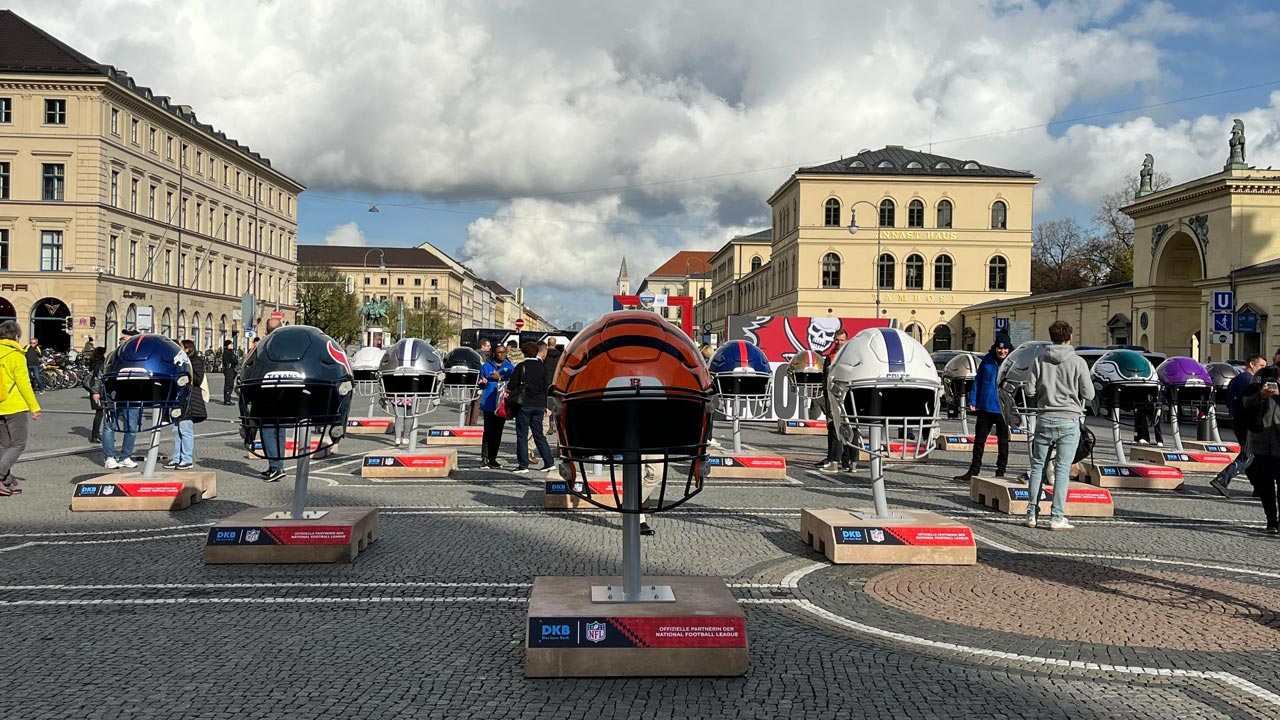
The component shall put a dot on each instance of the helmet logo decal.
(893, 347)
(338, 356)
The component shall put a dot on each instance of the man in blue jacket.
(984, 402)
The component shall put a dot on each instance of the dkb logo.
(552, 632)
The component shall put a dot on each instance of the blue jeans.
(273, 447)
(184, 441)
(37, 382)
(1065, 434)
(129, 418)
(530, 418)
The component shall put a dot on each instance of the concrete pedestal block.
(1184, 460)
(702, 634)
(556, 495)
(405, 465)
(1131, 476)
(1012, 497)
(369, 426)
(802, 427)
(896, 451)
(175, 490)
(910, 537)
(747, 466)
(963, 443)
(1209, 446)
(337, 536)
(455, 436)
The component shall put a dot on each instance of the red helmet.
(632, 383)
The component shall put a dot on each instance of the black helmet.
(145, 374)
(296, 381)
(462, 375)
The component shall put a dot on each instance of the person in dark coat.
(184, 431)
(230, 363)
(97, 361)
(1260, 403)
(984, 401)
(531, 382)
(839, 457)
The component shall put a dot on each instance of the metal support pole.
(631, 470)
(737, 434)
(964, 420)
(1173, 420)
(877, 473)
(153, 452)
(462, 415)
(413, 433)
(1115, 436)
(373, 396)
(301, 443)
(1213, 434)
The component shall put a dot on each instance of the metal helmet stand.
(632, 467)
(299, 511)
(876, 451)
(964, 420)
(153, 452)
(1173, 419)
(1115, 435)
(738, 408)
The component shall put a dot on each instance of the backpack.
(7, 384)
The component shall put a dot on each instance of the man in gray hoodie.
(1062, 388)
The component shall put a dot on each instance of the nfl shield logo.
(108, 489)
(251, 536)
(877, 535)
(595, 631)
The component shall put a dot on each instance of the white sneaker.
(128, 463)
(111, 464)
(1060, 525)
(1030, 522)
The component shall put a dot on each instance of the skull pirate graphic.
(782, 337)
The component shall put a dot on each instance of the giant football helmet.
(805, 373)
(1186, 384)
(958, 377)
(632, 388)
(364, 367)
(884, 378)
(1125, 380)
(743, 380)
(1016, 382)
(462, 376)
(145, 383)
(297, 383)
(412, 378)
(1220, 375)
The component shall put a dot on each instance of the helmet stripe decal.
(742, 348)
(893, 347)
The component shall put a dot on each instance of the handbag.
(204, 388)
(502, 411)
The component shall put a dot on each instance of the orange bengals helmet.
(632, 387)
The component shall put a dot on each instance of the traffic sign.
(706, 328)
(1247, 321)
(519, 323)
(1221, 338)
(277, 315)
(1002, 323)
(1224, 301)
(1222, 322)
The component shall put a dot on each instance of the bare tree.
(1059, 261)
(1111, 252)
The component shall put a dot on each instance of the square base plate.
(130, 491)
(405, 465)
(745, 466)
(911, 537)
(251, 536)
(802, 427)
(1131, 476)
(701, 634)
(1012, 497)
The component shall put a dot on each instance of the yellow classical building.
(1216, 234)
(120, 209)
(893, 233)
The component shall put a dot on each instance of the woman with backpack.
(17, 403)
(97, 361)
(1261, 403)
(184, 431)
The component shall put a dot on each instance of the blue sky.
(526, 103)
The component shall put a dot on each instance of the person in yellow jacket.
(16, 407)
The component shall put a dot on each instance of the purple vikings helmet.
(1186, 382)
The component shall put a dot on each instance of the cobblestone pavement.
(1169, 609)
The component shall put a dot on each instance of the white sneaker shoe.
(128, 463)
(111, 464)
(1030, 522)
(1060, 525)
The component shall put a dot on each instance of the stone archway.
(49, 324)
(1178, 263)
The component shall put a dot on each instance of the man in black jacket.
(229, 367)
(530, 383)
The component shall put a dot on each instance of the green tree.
(430, 323)
(323, 302)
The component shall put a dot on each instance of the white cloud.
(348, 234)
(457, 100)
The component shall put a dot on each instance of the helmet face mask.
(364, 368)
(958, 376)
(742, 379)
(461, 382)
(1186, 383)
(805, 374)
(884, 379)
(145, 383)
(632, 388)
(411, 377)
(295, 385)
(1015, 382)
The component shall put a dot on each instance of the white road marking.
(105, 532)
(1224, 677)
(104, 541)
(258, 601)
(218, 586)
(995, 544)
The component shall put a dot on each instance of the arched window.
(886, 213)
(944, 213)
(131, 317)
(755, 263)
(111, 328)
(223, 334)
(915, 214)
(166, 323)
(182, 325)
(999, 215)
(885, 267)
(942, 269)
(914, 267)
(915, 331)
(702, 294)
(832, 213)
(830, 270)
(941, 338)
(998, 274)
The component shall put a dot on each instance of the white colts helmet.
(958, 376)
(1015, 382)
(364, 367)
(885, 378)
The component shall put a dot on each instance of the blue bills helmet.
(295, 384)
(742, 380)
(145, 383)
(884, 378)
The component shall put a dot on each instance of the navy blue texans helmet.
(145, 383)
(297, 383)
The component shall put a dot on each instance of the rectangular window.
(417, 303)
(4, 181)
(115, 119)
(151, 202)
(199, 212)
(400, 281)
(6, 110)
(151, 264)
(168, 207)
(184, 154)
(208, 266)
(434, 303)
(239, 233)
(213, 230)
(4, 249)
(55, 180)
(366, 281)
(224, 278)
(225, 173)
(417, 282)
(115, 189)
(168, 267)
(199, 162)
(382, 281)
(182, 271)
(151, 139)
(237, 281)
(133, 195)
(237, 181)
(435, 282)
(133, 259)
(112, 247)
(55, 112)
(210, 169)
(226, 221)
(133, 130)
(168, 147)
(50, 250)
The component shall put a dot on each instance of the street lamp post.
(853, 229)
(382, 266)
